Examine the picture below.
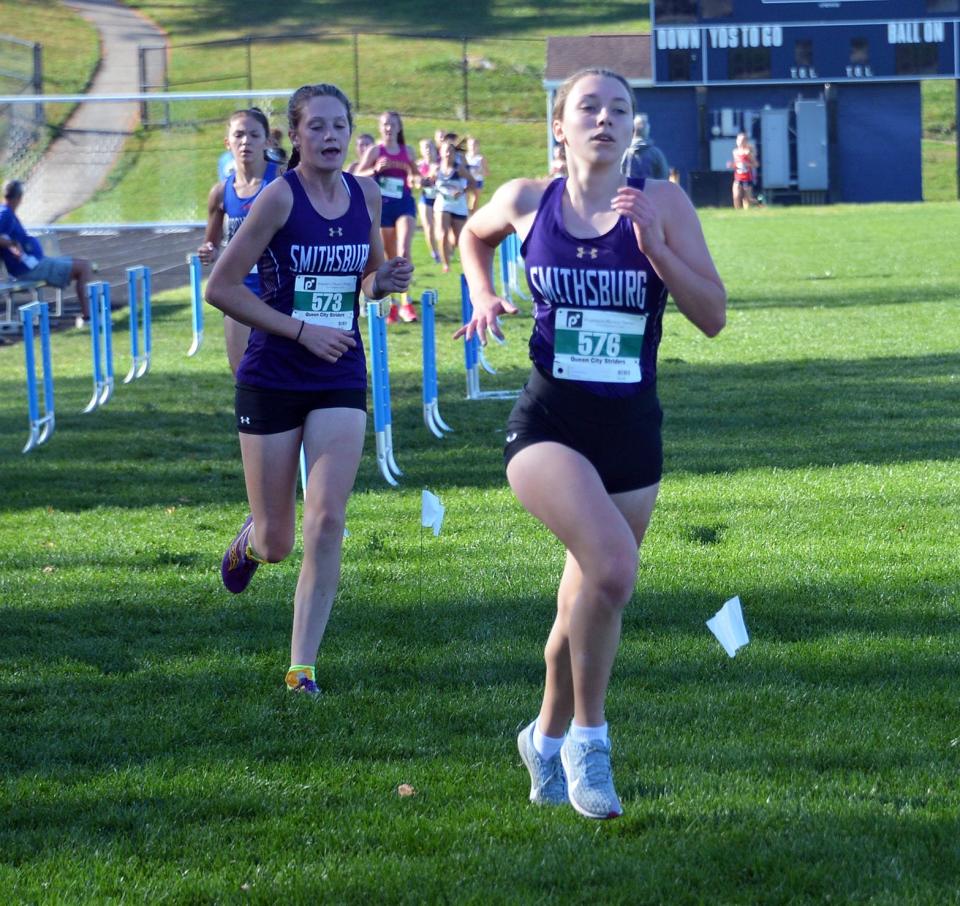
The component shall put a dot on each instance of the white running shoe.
(548, 785)
(590, 778)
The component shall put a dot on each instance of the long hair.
(300, 98)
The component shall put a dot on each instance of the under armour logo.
(244, 419)
(583, 252)
(336, 231)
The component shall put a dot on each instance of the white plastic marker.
(728, 626)
(431, 512)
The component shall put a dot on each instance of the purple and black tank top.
(598, 303)
(311, 270)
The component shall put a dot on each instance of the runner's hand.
(326, 343)
(393, 276)
(207, 253)
(647, 226)
(486, 308)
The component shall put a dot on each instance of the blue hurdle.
(138, 289)
(431, 412)
(510, 262)
(474, 358)
(195, 273)
(380, 379)
(41, 427)
(101, 328)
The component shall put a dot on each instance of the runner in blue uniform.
(583, 446)
(316, 236)
(229, 202)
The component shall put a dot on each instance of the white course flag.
(728, 626)
(431, 512)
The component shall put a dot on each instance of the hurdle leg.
(385, 401)
(106, 325)
(41, 427)
(132, 294)
(147, 323)
(194, 262)
(93, 295)
(374, 323)
(426, 340)
(431, 394)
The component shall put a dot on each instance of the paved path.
(77, 163)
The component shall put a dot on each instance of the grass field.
(507, 53)
(150, 754)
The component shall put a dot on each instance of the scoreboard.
(736, 42)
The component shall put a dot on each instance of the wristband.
(296, 339)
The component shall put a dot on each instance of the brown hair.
(560, 98)
(401, 141)
(254, 113)
(305, 92)
(299, 99)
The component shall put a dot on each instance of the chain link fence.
(21, 125)
(446, 76)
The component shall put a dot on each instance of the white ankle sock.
(588, 734)
(546, 746)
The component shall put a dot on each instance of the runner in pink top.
(392, 164)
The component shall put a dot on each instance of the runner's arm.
(682, 260)
(213, 235)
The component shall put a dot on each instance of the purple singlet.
(598, 303)
(312, 270)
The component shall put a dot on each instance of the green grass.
(149, 753)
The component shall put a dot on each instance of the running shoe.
(80, 322)
(548, 784)
(302, 681)
(408, 313)
(238, 567)
(394, 314)
(435, 256)
(590, 778)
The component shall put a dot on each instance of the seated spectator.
(24, 258)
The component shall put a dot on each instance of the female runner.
(391, 163)
(428, 193)
(583, 447)
(452, 180)
(302, 379)
(229, 202)
(745, 164)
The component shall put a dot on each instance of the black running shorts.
(619, 436)
(265, 410)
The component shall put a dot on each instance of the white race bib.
(391, 186)
(602, 346)
(325, 300)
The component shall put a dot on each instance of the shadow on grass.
(174, 440)
(165, 671)
(417, 17)
(820, 294)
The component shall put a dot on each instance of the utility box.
(721, 153)
(812, 171)
(775, 148)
